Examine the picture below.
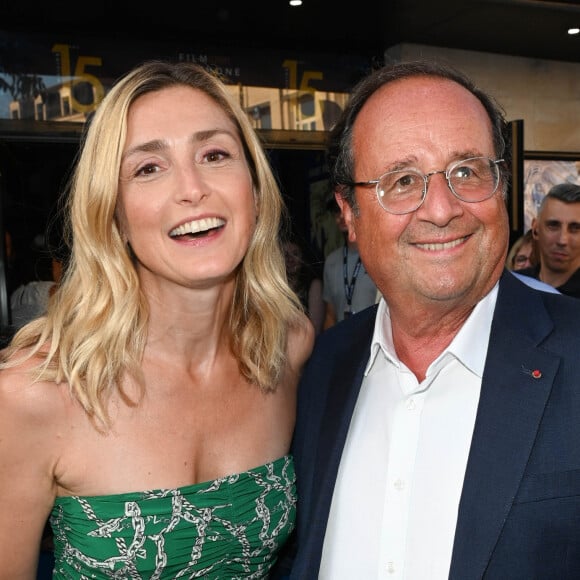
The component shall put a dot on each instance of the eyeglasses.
(521, 259)
(404, 191)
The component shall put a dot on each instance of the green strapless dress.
(229, 528)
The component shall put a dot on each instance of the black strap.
(349, 286)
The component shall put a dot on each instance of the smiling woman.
(155, 401)
(185, 183)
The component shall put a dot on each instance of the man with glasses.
(438, 433)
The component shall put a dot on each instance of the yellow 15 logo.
(307, 76)
(80, 76)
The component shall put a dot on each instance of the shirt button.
(399, 485)
(411, 405)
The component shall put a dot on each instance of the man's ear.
(348, 216)
(535, 228)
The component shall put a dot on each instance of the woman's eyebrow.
(160, 144)
(209, 133)
(146, 147)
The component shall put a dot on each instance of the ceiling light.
(573, 30)
(295, 2)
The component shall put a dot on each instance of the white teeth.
(437, 247)
(197, 226)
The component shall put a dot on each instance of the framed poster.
(540, 174)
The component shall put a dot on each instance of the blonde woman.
(522, 253)
(149, 414)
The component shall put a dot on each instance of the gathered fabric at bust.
(232, 527)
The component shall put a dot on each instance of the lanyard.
(349, 286)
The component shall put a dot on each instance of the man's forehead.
(560, 211)
(414, 120)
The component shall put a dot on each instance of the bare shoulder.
(31, 432)
(300, 342)
(33, 415)
(16, 378)
(26, 401)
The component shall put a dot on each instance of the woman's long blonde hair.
(94, 333)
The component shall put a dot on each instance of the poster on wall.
(540, 175)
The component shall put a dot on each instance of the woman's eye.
(148, 169)
(216, 155)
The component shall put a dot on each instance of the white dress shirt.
(394, 508)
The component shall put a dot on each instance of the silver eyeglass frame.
(426, 177)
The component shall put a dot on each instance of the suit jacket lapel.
(512, 401)
(345, 386)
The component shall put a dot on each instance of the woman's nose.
(191, 185)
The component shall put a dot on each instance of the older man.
(438, 433)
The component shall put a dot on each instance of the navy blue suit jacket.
(519, 512)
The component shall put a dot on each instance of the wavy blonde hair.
(95, 329)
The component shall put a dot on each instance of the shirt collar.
(469, 345)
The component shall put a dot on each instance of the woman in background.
(149, 413)
(522, 253)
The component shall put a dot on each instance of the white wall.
(544, 93)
